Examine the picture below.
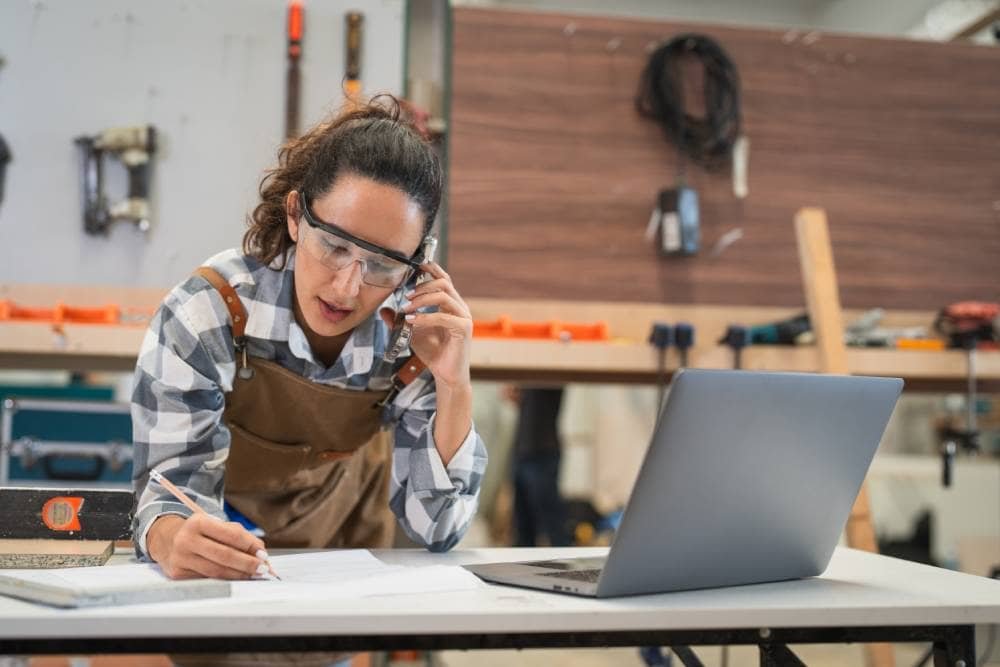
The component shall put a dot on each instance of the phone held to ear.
(399, 338)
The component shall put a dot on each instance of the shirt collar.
(272, 317)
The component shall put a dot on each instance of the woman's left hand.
(441, 339)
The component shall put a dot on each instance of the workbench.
(862, 597)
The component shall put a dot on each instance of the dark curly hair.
(373, 141)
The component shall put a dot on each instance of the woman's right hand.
(203, 546)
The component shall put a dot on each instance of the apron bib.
(308, 463)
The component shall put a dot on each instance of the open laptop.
(750, 477)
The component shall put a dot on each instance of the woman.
(261, 388)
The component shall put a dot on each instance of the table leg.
(957, 649)
(778, 655)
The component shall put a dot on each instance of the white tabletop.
(858, 589)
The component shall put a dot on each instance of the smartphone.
(399, 338)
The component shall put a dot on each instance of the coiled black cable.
(709, 140)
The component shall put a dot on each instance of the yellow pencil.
(157, 477)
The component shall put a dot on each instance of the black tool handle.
(50, 464)
(138, 181)
(355, 20)
(737, 337)
(683, 335)
(292, 100)
(661, 337)
(947, 463)
(4, 159)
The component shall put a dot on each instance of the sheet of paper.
(352, 573)
(412, 581)
(324, 575)
(94, 578)
(324, 567)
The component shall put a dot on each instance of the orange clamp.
(505, 327)
(63, 313)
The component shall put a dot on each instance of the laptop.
(749, 478)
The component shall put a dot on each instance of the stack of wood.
(48, 527)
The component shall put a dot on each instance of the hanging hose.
(707, 140)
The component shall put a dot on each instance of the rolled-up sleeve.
(177, 404)
(434, 503)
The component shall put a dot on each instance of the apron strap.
(237, 313)
(409, 372)
(413, 367)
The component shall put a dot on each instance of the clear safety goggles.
(337, 249)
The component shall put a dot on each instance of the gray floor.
(820, 655)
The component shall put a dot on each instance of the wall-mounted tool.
(352, 81)
(4, 151)
(676, 221)
(867, 331)
(782, 332)
(707, 138)
(661, 337)
(132, 146)
(966, 324)
(4, 160)
(737, 337)
(296, 25)
(684, 340)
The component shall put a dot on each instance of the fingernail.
(410, 293)
(261, 554)
(411, 317)
(262, 568)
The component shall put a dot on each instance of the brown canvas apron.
(308, 463)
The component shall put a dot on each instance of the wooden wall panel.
(553, 174)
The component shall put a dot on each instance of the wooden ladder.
(823, 302)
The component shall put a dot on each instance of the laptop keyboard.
(588, 576)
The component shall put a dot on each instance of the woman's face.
(330, 301)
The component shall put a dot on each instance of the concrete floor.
(819, 655)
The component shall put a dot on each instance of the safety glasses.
(337, 249)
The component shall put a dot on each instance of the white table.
(860, 598)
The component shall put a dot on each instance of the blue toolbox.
(46, 440)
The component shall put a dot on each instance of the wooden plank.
(820, 280)
(819, 277)
(49, 553)
(987, 19)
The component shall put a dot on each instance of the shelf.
(627, 359)
(614, 362)
(80, 347)
(91, 347)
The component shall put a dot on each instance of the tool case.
(45, 441)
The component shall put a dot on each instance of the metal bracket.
(778, 655)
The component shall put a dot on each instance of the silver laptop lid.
(750, 477)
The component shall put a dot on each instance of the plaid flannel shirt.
(187, 363)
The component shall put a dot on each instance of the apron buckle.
(397, 386)
(245, 372)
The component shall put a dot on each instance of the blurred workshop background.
(607, 223)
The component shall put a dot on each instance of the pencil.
(157, 477)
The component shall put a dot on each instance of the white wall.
(209, 74)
